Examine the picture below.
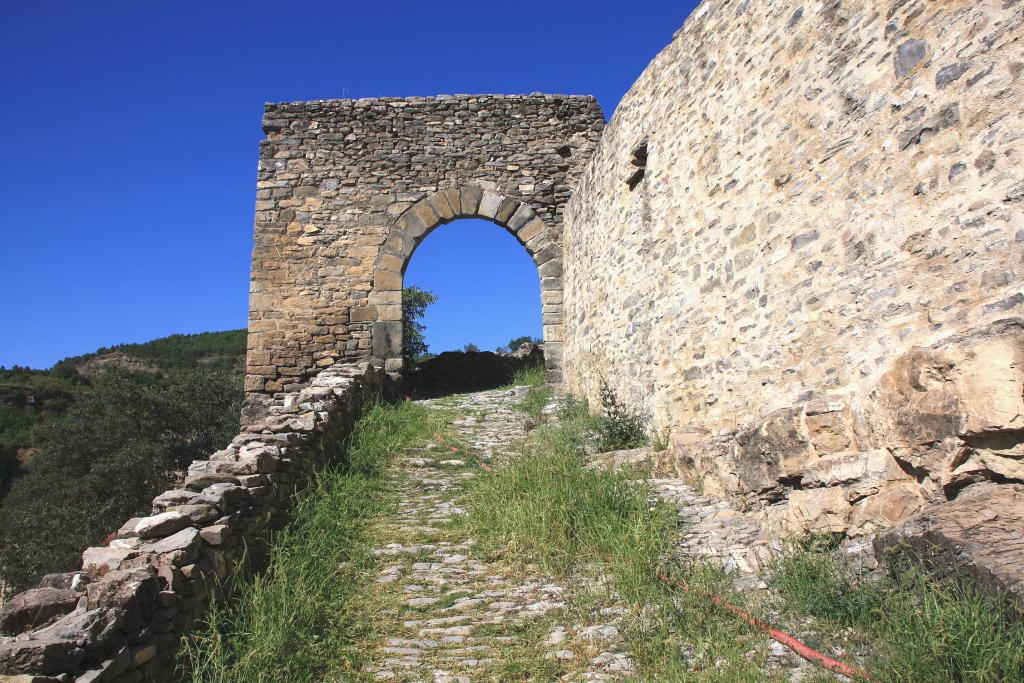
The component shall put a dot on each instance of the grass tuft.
(921, 627)
(547, 508)
(532, 376)
(301, 619)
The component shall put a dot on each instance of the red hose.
(802, 649)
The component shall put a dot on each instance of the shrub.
(514, 344)
(620, 426)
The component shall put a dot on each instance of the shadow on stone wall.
(456, 372)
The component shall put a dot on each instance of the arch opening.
(417, 221)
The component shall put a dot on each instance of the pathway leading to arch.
(444, 613)
(451, 616)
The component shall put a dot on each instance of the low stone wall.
(121, 618)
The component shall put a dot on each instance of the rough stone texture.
(348, 188)
(122, 616)
(827, 231)
(35, 608)
(979, 533)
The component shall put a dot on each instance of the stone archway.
(347, 188)
(444, 206)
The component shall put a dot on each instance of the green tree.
(414, 304)
(514, 344)
(105, 459)
(471, 348)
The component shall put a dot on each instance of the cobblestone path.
(448, 616)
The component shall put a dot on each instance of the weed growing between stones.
(534, 402)
(300, 619)
(622, 427)
(920, 627)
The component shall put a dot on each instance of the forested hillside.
(88, 443)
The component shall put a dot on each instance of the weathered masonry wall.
(806, 284)
(348, 188)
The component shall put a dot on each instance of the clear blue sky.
(131, 135)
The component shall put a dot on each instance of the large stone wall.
(805, 285)
(348, 188)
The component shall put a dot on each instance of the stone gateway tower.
(348, 189)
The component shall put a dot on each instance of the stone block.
(387, 280)
(523, 215)
(363, 314)
(532, 229)
(440, 206)
(36, 608)
(47, 656)
(163, 524)
(489, 203)
(427, 216)
(387, 339)
(470, 197)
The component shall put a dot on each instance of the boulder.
(630, 459)
(71, 580)
(891, 503)
(776, 449)
(844, 468)
(978, 534)
(35, 608)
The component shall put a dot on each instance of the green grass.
(920, 627)
(547, 508)
(533, 376)
(302, 618)
(535, 401)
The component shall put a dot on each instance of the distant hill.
(28, 397)
(89, 442)
(179, 351)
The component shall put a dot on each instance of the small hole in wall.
(639, 161)
(565, 151)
